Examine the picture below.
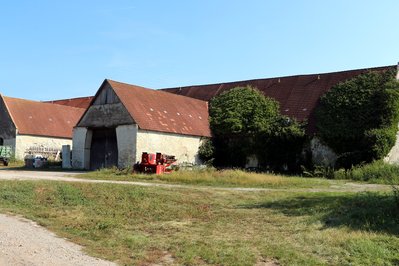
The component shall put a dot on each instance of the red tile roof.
(82, 102)
(42, 119)
(298, 95)
(161, 111)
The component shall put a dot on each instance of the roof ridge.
(156, 90)
(279, 77)
(66, 99)
(40, 102)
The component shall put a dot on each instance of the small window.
(1, 141)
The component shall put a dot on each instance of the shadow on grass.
(365, 211)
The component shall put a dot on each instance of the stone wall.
(132, 142)
(393, 155)
(127, 137)
(321, 153)
(184, 147)
(25, 142)
(80, 153)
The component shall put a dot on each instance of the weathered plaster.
(66, 157)
(393, 155)
(397, 73)
(24, 142)
(80, 152)
(126, 137)
(321, 153)
(184, 147)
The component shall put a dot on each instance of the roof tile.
(298, 95)
(43, 119)
(171, 111)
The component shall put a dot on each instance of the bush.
(206, 152)
(246, 123)
(376, 172)
(359, 118)
(237, 117)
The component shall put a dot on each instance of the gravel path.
(23, 242)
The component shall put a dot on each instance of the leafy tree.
(359, 118)
(242, 111)
(244, 122)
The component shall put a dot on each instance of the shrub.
(376, 172)
(359, 118)
(237, 117)
(245, 123)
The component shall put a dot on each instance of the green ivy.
(244, 123)
(359, 118)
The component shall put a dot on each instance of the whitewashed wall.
(81, 148)
(184, 147)
(132, 142)
(24, 142)
(126, 136)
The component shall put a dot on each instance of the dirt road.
(23, 242)
(6, 174)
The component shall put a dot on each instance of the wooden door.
(104, 149)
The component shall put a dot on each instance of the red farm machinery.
(156, 163)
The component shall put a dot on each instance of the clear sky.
(62, 49)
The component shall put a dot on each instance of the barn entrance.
(104, 148)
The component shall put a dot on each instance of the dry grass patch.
(211, 177)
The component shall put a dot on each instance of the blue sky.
(63, 49)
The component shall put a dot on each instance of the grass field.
(139, 225)
(225, 178)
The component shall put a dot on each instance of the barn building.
(36, 127)
(124, 120)
(298, 97)
(81, 102)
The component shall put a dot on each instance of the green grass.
(377, 172)
(209, 177)
(137, 225)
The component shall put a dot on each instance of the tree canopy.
(245, 123)
(242, 111)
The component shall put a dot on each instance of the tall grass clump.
(209, 177)
(375, 172)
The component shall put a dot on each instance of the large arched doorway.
(104, 148)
